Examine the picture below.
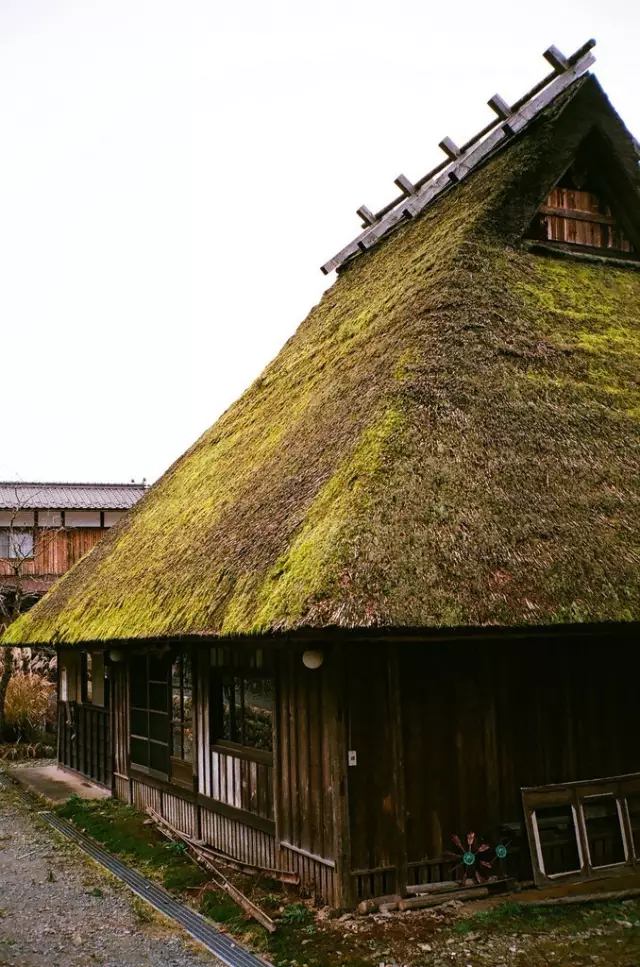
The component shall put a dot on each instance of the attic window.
(577, 213)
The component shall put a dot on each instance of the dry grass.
(30, 705)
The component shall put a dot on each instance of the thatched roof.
(449, 439)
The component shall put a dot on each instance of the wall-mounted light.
(116, 655)
(312, 659)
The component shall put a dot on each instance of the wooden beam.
(336, 708)
(450, 148)
(366, 215)
(557, 59)
(577, 214)
(397, 766)
(500, 106)
(405, 185)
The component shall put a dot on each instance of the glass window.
(246, 712)
(15, 544)
(182, 708)
(64, 685)
(87, 677)
(149, 692)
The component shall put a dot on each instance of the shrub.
(30, 706)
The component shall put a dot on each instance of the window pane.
(139, 681)
(159, 726)
(139, 722)
(176, 740)
(4, 543)
(158, 668)
(187, 752)
(158, 697)
(229, 731)
(88, 681)
(159, 757)
(140, 752)
(20, 544)
(258, 713)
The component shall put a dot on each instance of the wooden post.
(337, 711)
(397, 752)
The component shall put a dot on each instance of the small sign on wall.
(353, 757)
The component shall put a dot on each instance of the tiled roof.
(69, 496)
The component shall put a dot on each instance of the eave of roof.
(68, 496)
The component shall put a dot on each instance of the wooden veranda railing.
(84, 741)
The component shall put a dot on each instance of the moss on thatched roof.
(451, 438)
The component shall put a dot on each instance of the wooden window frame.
(137, 766)
(216, 693)
(181, 767)
(11, 533)
(576, 795)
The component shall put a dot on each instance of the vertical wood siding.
(598, 232)
(479, 723)
(238, 840)
(122, 789)
(306, 780)
(241, 783)
(318, 878)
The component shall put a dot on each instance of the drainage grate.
(229, 952)
(6, 782)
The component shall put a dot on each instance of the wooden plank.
(398, 771)
(366, 215)
(219, 879)
(450, 148)
(335, 705)
(500, 107)
(577, 214)
(405, 186)
(309, 855)
(557, 59)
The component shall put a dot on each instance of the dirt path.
(58, 908)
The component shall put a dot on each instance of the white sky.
(174, 172)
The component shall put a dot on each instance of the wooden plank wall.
(479, 722)
(592, 224)
(371, 785)
(58, 550)
(249, 845)
(306, 789)
(242, 783)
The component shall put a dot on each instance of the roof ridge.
(461, 162)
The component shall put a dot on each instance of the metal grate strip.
(227, 950)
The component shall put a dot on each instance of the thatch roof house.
(432, 493)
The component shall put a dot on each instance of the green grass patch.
(121, 830)
(526, 918)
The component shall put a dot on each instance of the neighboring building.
(45, 528)
(398, 580)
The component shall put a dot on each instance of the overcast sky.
(174, 172)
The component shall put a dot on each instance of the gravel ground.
(59, 908)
